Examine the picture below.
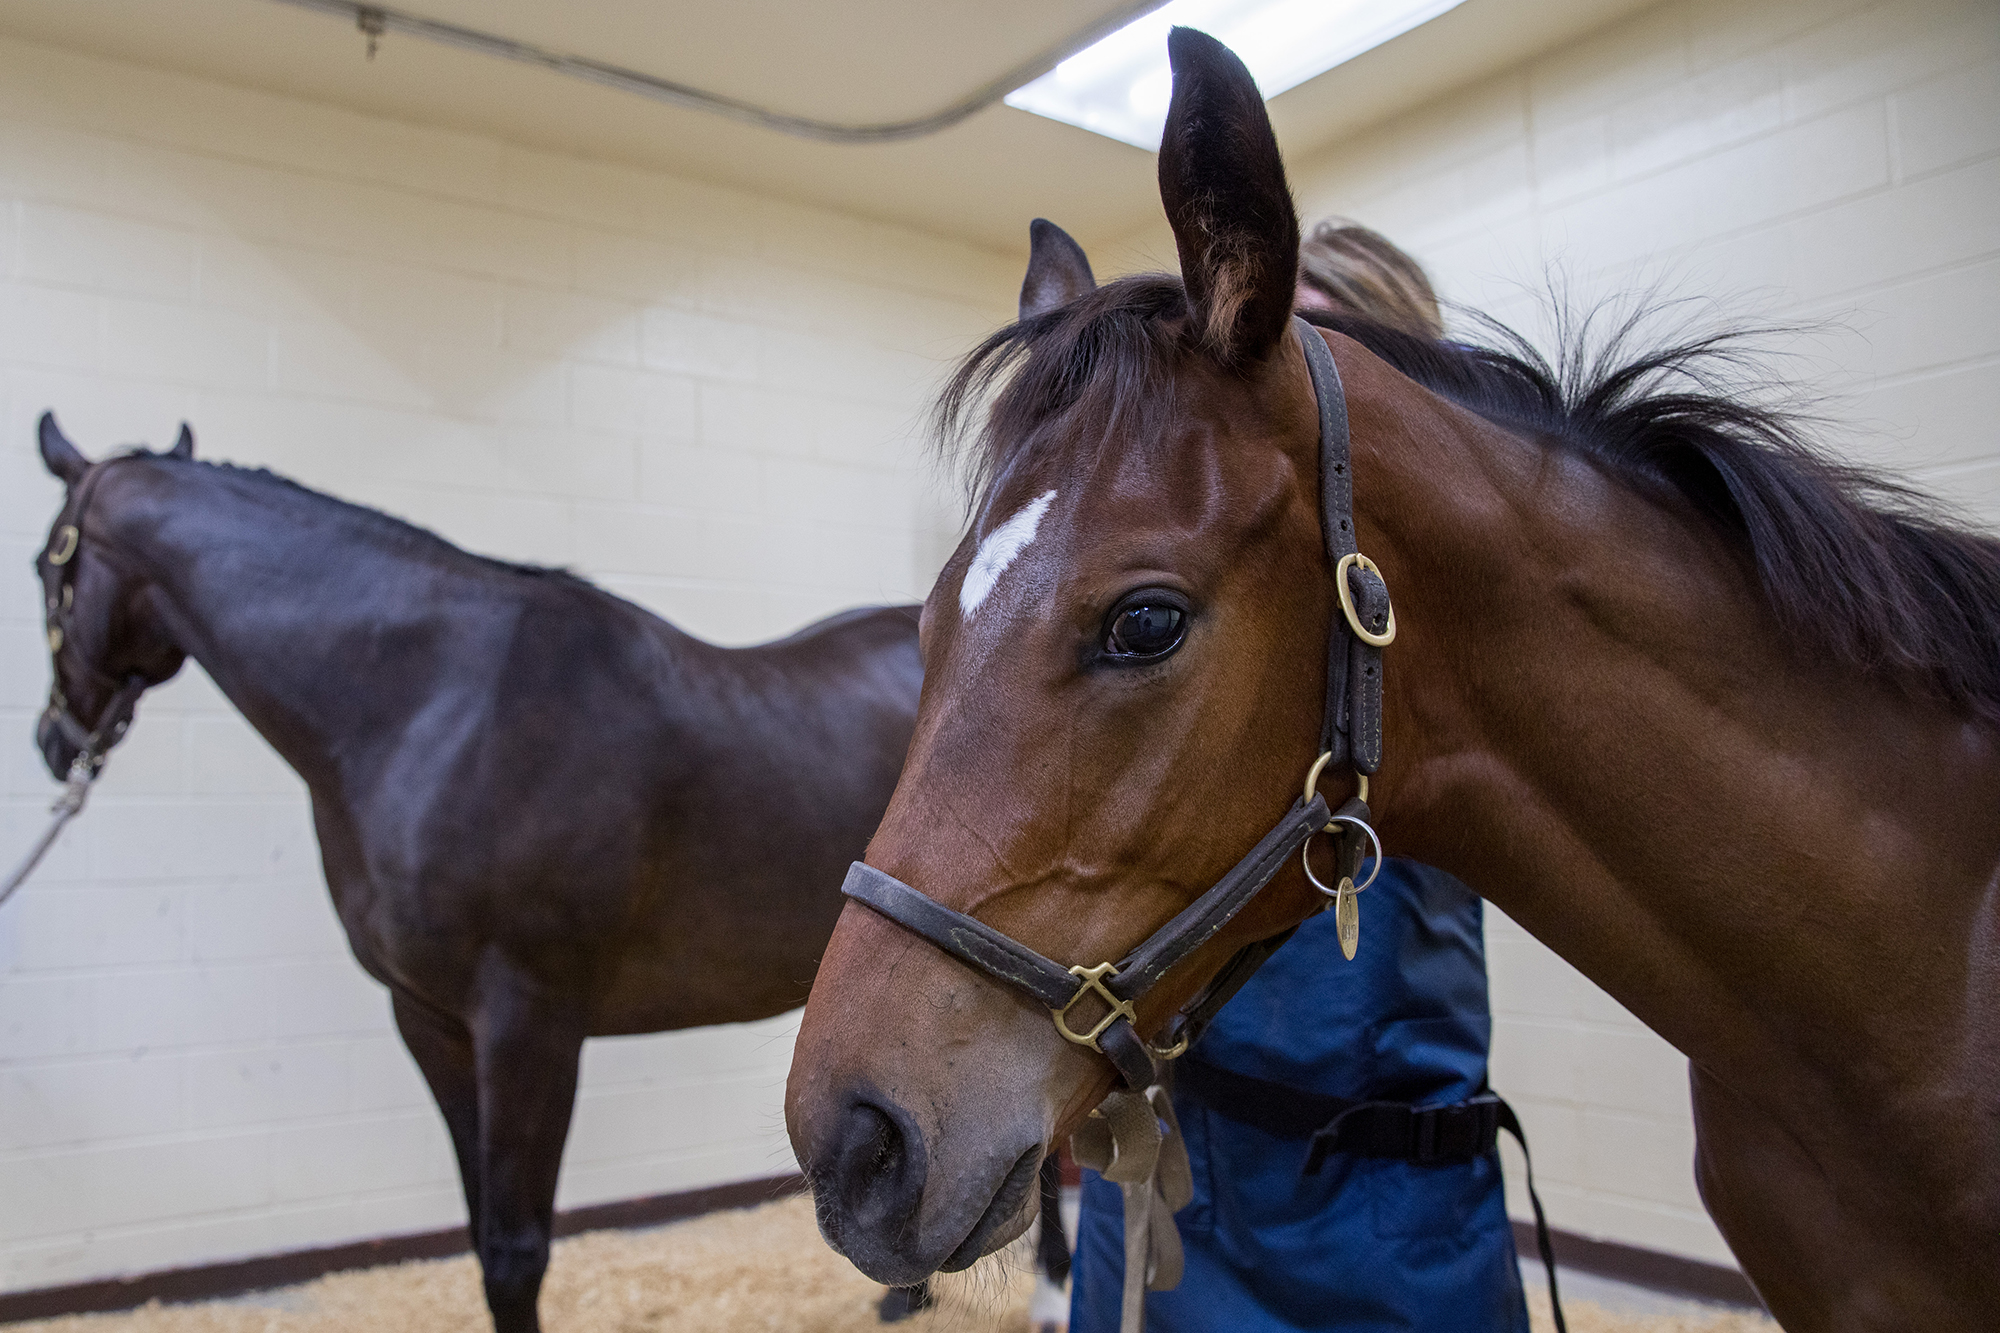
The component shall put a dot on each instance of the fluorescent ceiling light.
(1119, 86)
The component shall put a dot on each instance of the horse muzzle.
(880, 1203)
(58, 750)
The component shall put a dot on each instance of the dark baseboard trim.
(282, 1270)
(1666, 1273)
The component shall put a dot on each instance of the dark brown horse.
(1706, 713)
(544, 813)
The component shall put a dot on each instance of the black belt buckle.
(1455, 1133)
(1426, 1136)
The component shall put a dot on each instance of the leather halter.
(91, 745)
(1350, 734)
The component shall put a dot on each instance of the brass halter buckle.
(1093, 984)
(65, 545)
(1368, 636)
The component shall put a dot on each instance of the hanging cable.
(374, 21)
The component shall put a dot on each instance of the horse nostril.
(47, 741)
(878, 1169)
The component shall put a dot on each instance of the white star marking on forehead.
(999, 550)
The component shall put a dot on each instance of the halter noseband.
(1350, 735)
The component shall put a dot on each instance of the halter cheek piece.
(1094, 1006)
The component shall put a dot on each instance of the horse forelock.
(1106, 355)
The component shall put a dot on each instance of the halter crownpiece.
(1350, 735)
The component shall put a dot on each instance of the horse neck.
(312, 618)
(1594, 720)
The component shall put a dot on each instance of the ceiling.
(858, 60)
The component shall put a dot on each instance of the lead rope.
(83, 771)
(1133, 1140)
(68, 805)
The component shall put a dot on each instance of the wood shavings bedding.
(757, 1270)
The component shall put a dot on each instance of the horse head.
(1124, 672)
(108, 641)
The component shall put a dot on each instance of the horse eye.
(1145, 629)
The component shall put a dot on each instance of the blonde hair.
(1361, 273)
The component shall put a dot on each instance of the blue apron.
(1368, 1243)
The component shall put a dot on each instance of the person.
(1348, 269)
(1393, 1215)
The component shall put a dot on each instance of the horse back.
(627, 809)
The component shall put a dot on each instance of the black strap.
(1512, 1124)
(1336, 483)
(979, 945)
(1351, 727)
(985, 949)
(112, 726)
(1200, 921)
(1425, 1135)
(1235, 974)
(965, 938)
(1336, 507)
(1404, 1131)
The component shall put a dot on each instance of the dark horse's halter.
(92, 745)
(1350, 734)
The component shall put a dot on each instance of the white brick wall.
(703, 399)
(1811, 159)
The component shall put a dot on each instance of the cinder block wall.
(705, 400)
(1807, 160)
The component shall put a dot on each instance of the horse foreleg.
(525, 1043)
(442, 1047)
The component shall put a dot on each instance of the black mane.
(1856, 566)
(400, 532)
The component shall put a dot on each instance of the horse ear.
(1058, 270)
(59, 456)
(1223, 185)
(184, 444)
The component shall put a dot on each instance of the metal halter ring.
(1305, 858)
(1319, 767)
(65, 547)
(1093, 983)
(1356, 560)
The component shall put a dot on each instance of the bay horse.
(1715, 718)
(544, 813)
